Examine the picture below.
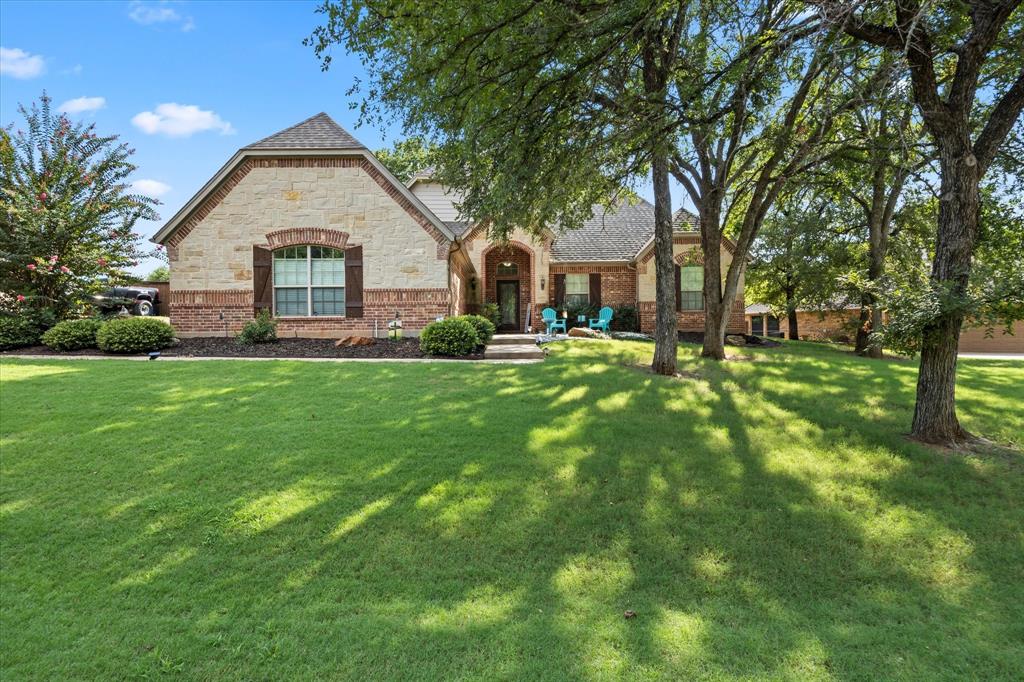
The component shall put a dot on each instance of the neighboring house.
(841, 325)
(309, 225)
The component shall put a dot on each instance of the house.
(309, 225)
(837, 324)
(840, 324)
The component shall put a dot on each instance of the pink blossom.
(53, 259)
(42, 196)
(102, 262)
(65, 269)
(21, 298)
(31, 266)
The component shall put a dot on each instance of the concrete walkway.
(992, 356)
(513, 347)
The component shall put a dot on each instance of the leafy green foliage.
(263, 329)
(407, 157)
(625, 318)
(134, 335)
(66, 211)
(159, 274)
(484, 328)
(491, 312)
(453, 336)
(17, 331)
(72, 334)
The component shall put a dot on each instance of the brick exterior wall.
(693, 320)
(512, 254)
(618, 282)
(197, 313)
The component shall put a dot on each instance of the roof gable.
(316, 132)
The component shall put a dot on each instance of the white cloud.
(82, 104)
(151, 188)
(20, 64)
(75, 70)
(180, 120)
(148, 13)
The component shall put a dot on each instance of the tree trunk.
(860, 345)
(935, 410)
(715, 313)
(794, 330)
(666, 337)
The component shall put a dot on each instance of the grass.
(297, 520)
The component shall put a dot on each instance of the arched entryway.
(508, 281)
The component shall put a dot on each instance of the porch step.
(512, 339)
(513, 347)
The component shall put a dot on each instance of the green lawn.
(272, 520)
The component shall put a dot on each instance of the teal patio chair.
(603, 320)
(551, 321)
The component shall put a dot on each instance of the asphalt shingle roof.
(316, 132)
(614, 235)
(458, 227)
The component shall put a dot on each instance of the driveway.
(992, 356)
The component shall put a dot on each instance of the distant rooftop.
(316, 132)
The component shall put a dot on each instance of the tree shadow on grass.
(434, 521)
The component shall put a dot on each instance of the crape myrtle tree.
(761, 124)
(540, 110)
(967, 76)
(66, 214)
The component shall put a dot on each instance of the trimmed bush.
(453, 336)
(625, 318)
(72, 334)
(17, 332)
(484, 328)
(261, 330)
(134, 335)
(491, 312)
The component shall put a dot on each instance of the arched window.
(309, 281)
(508, 269)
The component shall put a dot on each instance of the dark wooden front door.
(508, 305)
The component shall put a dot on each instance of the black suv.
(138, 300)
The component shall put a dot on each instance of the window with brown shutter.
(595, 289)
(354, 281)
(679, 279)
(559, 289)
(262, 286)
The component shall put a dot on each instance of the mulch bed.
(220, 347)
(761, 341)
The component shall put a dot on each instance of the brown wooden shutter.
(679, 286)
(262, 279)
(595, 289)
(559, 289)
(354, 281)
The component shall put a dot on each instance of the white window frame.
(682, 306)
(308, 286)
(585, 277)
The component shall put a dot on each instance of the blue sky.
(185, 83)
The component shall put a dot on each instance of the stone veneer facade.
(333, 201)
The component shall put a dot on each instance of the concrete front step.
(512, 339)
(520, 351)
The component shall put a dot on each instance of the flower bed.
(221, 347)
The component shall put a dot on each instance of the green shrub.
(588, 310)
(453, 336)
(261, 330)
(16, 332)
(134, 335)
(484, 328)
(625, 318)
(491, 312)
(72, 334)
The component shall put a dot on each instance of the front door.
(508, 305)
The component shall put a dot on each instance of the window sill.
(310, 317)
